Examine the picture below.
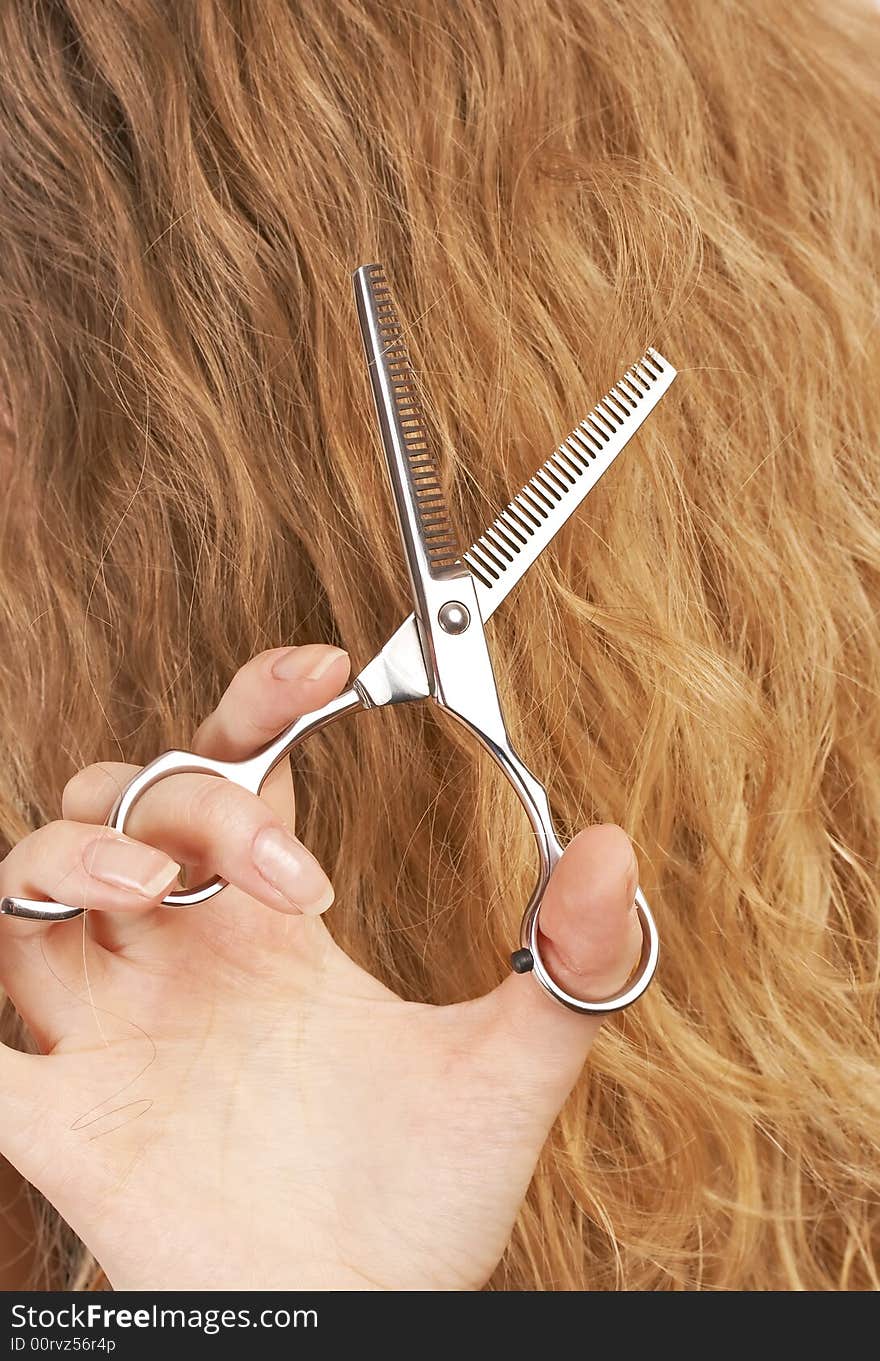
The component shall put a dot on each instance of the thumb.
(590, 942)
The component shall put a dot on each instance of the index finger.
(268, 693)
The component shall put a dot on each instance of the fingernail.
(285, 863)
(130, 865)
(307, 663)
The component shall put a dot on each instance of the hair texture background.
(552, 184)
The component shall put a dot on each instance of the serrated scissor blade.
(519, 535)
(430, 543)
(529, 522)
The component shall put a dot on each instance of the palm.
(284, 1070)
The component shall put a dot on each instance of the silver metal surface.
(35, 910)
(440, 651)
(454, 617)
(519, 535)
(430, 546)
(429, 540)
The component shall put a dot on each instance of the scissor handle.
(250, 774)
(181, 763)
(528, 958)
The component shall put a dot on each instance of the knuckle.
(245, 675)
(77, 784)
(88, 784)
(213, 803)
(45, 837)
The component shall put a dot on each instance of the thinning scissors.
(440, 651)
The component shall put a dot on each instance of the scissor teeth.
(594, 431)
(562, 468)
(559, 486)
(537, 498)
(621, 401)
(424, 494)
(519, 505)
(519, 516)
(609, 422)
(541, 482)
(649, 367)
(492, 564)
(530, 520)
(551, 474)
(574, 461)
(511, 533)
(607, 411)
(480, 569)
(580, 449)
(497, 541)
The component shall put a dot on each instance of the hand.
(223, 1099)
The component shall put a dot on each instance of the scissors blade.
(518, 536)
(430, 543)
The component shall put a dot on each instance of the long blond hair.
(185, 189)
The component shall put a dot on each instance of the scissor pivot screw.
(454, 617)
